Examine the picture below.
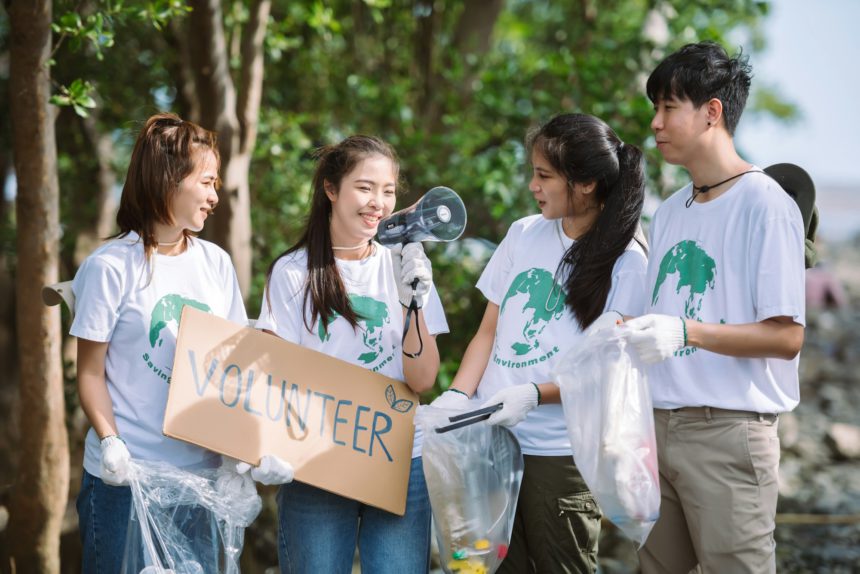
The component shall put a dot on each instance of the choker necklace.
(707, 188)
(171, 243)
(359, 246)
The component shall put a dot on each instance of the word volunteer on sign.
(288, 402)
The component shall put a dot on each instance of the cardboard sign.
(245, 393)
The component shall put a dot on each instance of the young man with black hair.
(725, 325)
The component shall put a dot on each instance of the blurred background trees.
(453, 85)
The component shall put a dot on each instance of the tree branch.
(427, 17)
(251, 76)
(473, 35)
(209, 61)
(183, 75)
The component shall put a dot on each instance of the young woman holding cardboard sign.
(129, 295)
(339, 292)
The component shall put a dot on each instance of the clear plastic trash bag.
(610, 421)
(473, 476)
(186, 522)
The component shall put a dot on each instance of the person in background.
(575, 266)
(724, 324)
(129, 297)
(339, 292)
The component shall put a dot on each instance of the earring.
(709, 123)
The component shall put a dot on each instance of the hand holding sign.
(271, 471)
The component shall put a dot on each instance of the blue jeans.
(103, 512)
(103, 521)
(318, 531)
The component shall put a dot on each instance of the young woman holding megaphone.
(321, 293)
(573, 268)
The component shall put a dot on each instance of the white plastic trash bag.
(186, 522)
(610, 421)
(473, 475)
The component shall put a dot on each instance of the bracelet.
(453, 390)
(684, 325)
(538, 392)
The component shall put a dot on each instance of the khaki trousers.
(718, 482)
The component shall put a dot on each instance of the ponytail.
(587, 265)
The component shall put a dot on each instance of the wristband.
(538, 392)
(684, 325)
(452, 389)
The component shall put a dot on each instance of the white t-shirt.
(735, 259)
(535, 327)
(135, 307)
(376, 345)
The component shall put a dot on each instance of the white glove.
(656, 337)
(272, 470)
(116, 461)
(606, 321)
(411, 263)
(451, 400)
(516, 401)
(229, 481)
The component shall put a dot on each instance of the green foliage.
(95, 32)
(767, 99)
(77, 95)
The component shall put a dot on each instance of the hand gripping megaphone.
(438, 216)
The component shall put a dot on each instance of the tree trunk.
(471, 40)
(92, 235)
(183, 76)
(234, 117)
(427, 20)
(42, 482)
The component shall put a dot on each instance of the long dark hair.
(164, 154)
(584, 149)
(325, 290)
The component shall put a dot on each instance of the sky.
(812, 59)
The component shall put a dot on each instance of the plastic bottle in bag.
(473, 476)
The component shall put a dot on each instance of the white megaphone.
(438, 216)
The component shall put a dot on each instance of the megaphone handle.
(413, 309)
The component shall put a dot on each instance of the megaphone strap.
(412, 310)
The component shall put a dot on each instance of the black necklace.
(707, 188)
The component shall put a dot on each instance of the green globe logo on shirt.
(169, 310)
(372, 317)
(695, 270)
(166, 312)
(543, 302)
